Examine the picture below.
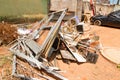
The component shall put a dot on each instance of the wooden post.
(94, 7)
(78, 11)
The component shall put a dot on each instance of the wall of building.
(23, 8)
(104, 9)
(61, 4)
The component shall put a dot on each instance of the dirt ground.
(102, 70)
(8, 33)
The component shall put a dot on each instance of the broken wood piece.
(47, 44)
(43, 76)
(67, 55)
(73, 50)
(76, 54)
(28, 51)
(33, 46)
(19, 75)
(27, 58)
(14, 65)
(39, 64)
(23, 77)
(54, 32)
(14, 46)
(36, 32)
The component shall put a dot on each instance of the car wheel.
(91, 21)
(97, 22)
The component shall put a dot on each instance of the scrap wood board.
(67, 55)
(33, 46)
(76, 54)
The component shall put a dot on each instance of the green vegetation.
(4, 59)
(22, 8)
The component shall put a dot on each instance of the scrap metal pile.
(65, 39)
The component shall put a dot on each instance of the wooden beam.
(78, 11)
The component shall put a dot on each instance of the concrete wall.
(23, 8)
(61, 4)
(104, 9)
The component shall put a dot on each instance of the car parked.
(112, 19)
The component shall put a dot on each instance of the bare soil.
(8, 33)
(102, 70)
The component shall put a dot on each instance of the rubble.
(62, 39)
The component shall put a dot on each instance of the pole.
(93, 6)
(78, 11)
(118, 2)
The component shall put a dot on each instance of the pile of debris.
(65, 39)
(8, 33)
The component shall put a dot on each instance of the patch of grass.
(6, 67)
(22, 19)
(4, 59)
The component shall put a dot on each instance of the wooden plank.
(73, 50)
(67, 55)
(33, 46)
(76, 54)
(23, 77)
(23, 66)
(14, 65)
(78, 11)
(39, 64)
(47, 44)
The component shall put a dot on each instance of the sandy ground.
(102, 70)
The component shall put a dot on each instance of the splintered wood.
(34, 55)
(27, 49)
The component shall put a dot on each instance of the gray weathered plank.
(39, 64)
(33, 46)
(76, 54)
(67, 55)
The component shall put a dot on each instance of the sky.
(113, 1)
